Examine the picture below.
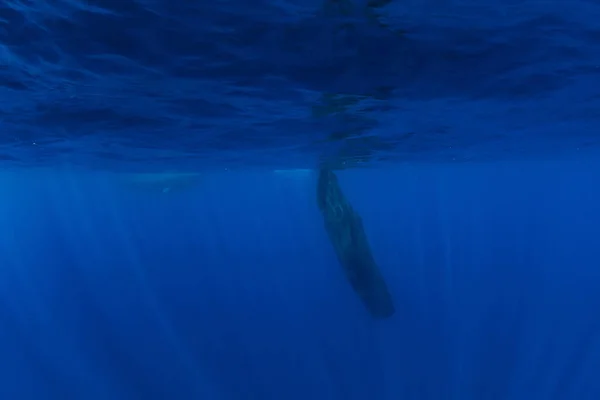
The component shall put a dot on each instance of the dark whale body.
(346, 233)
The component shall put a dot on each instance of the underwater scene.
(299, 199)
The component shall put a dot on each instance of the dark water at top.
(188, 84)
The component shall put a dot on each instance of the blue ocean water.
(159, 230)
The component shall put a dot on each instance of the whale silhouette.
(346, 233)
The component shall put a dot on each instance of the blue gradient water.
(159, 241)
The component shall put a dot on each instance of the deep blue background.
(476, 121)
(229, 289)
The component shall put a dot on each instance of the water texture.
(195, 84)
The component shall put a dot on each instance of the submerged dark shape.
(345, 229)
